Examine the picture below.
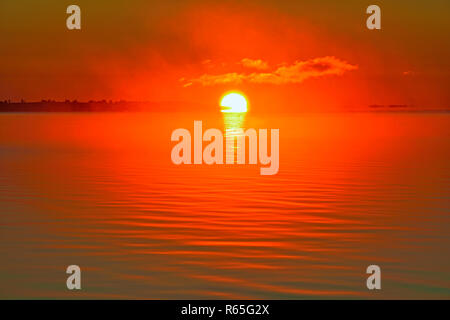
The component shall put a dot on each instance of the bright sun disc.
(233, 102)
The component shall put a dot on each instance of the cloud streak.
(285, 74)
(255, 64)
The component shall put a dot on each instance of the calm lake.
(99, 190)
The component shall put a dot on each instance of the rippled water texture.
(100, 191)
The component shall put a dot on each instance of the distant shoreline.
(133, 106)
(73, 106)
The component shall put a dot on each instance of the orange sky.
(300, 55)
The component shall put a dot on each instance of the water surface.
(100, 191)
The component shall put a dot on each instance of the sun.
(233, 102)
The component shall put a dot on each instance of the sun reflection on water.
(234, 123)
